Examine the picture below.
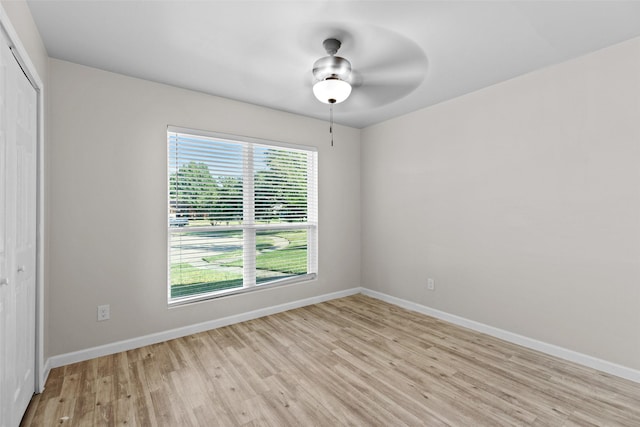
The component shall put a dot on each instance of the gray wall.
(522, 201)
(108, 187)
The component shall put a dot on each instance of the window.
(242, 214)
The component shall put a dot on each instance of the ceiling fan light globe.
(332, 91)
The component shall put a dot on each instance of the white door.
(18, 138)
(5, 403)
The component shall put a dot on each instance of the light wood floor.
(352, 361)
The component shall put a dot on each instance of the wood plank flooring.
(352, 361)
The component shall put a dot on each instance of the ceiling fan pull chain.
(331, 122)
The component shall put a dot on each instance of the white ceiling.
(407, 54)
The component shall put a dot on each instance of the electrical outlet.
(431, 284)
(103, 312)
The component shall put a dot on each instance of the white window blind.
(242, 213)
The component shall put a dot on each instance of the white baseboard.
(553, 350)
(130, 344)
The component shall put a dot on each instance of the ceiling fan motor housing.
(332, 66)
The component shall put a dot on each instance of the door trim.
(30, 71)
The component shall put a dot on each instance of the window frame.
(248, 226)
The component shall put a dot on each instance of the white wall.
(522, 200)
(108, 203)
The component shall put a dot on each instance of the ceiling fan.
(390, 69)
(388, 66)
(332, 74)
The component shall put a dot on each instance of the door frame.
(21, 55)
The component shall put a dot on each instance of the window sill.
(178, 302)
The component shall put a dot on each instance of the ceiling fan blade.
(376, 95)
(388, 70)
(385, 84)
